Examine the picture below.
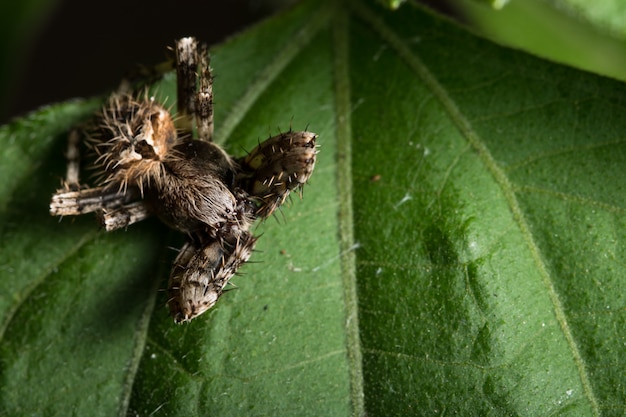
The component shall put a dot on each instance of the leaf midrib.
(345, 216)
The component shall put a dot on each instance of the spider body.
(147, 167)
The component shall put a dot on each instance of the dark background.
(78, 48)
(55, 50)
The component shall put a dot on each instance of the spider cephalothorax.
(149, 167)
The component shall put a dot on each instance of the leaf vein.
(42, 278)
(345, 215)
(565, 150)
(464, 126)
(268, 74)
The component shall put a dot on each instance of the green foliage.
(459, 250)
(583, 34)
(605, 15)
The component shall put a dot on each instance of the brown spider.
(149, 167)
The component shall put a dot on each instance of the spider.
(147, 166)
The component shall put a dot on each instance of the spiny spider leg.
(72, 181)
(201, 272)
(186, 66)
(123, 216)
(204, 98)
(277, 166)
(72, 203)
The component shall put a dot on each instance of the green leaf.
(459, 249)
(496, 4)
(545, 30)
(606, 15)
(392, 4)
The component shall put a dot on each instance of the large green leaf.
(458, 251)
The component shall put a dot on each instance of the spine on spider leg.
(276, 167)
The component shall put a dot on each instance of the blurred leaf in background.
(609, 16)
(587, 35)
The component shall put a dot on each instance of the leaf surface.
(459, 249)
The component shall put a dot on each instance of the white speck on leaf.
(404, 199)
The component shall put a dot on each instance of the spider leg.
(204, 98)
(114, 211)
(123, 216)
(201, 271)
(186, 66)
(73, 203)
(277, 166)
(71, 181)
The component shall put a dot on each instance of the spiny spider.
(149, 167)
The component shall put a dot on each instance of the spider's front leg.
(204, 98)
(277, 166)
(191, 57)
(70, 200)
(124, 216)
(72, 155)
(114, 209)
(201, 271)
(129, 139)
(89, 200)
